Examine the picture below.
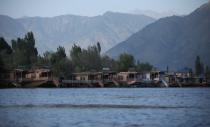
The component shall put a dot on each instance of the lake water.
(132, 107)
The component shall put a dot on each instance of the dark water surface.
(149, 107)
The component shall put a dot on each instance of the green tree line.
(23, 53)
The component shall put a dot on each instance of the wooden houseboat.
(91, 79)
(129, 78)
(39, 77)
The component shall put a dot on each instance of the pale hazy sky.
(49, 8)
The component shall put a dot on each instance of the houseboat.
(25, 78)
(92, 79)
(39, 77)
(130, 78)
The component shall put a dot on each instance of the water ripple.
(108, 106)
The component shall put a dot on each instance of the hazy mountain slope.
(153, 14)
(108, 29)
(173, 41)
(10, 28)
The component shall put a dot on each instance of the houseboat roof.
(129, 72)
(42, 67)
(43, 70)
(87, 73)
(32, 70)
(18, 69)
(95, 73)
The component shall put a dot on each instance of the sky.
(50, 8)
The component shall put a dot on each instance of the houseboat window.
(91, 77)
(44, 74)
(131, 76)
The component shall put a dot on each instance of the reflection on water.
(105, 107)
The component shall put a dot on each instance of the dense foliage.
(24, 51)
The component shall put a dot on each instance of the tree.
(24, 51)
(61, 65)
(45, 60)
(90, 59)
(63, 68)
(202, 68)
(207, 72)
(4, 47)
(143, 67)
(75, 54)
(125, 62)
(1, 62)
(30, 47)
(5, 54)
(108, 62)
(99, 47)
(86, 59)
(199, 66)
(61, 52)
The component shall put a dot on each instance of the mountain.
(65, 30)
(172, 41)
(10, 28)
(154, 14)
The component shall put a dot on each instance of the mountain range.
(154, 14)
(172, 41)
(109, 29)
